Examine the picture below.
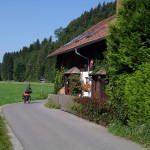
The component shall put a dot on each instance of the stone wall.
(64, 101)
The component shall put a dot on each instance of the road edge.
(13, 138)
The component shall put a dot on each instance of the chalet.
(82, 51)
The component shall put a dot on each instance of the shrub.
(128, 47)
(98, 64)
(59, 80)
(75, 84)
(137, 93)
(129, 96)
(78, 108)
(116, 92)
(93, 109)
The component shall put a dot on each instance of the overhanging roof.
(96, 33)
(101, 72)
(72, 71)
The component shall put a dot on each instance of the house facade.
(83, 51)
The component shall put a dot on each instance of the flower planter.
(85, 89)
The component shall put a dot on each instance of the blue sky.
(24, 21)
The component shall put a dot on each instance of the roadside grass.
(51, 105)
(11, 92)
(139, 134)
(5, 143)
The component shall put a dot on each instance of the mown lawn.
(11, 92)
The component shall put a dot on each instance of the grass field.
(11, 92)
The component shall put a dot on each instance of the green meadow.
(11, 92)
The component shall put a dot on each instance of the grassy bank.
(138, 133)
(5, 143)
(11, 92)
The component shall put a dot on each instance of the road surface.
(40, 128)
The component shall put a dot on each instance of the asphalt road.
(40, 128)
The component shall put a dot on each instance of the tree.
(7, 67)
(58, 31)
(31, 66)
(41, 59)
(19, 70)
(36, 45)
(128, 47)
(85, 21)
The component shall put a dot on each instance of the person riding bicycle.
(28, 89)
(26, 95)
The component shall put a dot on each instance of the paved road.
(40, 128)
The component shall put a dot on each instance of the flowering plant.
(75, 84)
(86, 87)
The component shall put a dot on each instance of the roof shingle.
(95, 33)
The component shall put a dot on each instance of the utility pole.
(42, 80)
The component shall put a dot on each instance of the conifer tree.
(128, 48)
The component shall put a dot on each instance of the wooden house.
(82, 51)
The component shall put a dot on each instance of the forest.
(31, 63)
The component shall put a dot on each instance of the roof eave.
(78, 47)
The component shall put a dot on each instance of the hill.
(30, 63)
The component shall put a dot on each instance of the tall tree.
(19, 70)
(7, 67)
(41, 59)
(128, 49)
(57, 32)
